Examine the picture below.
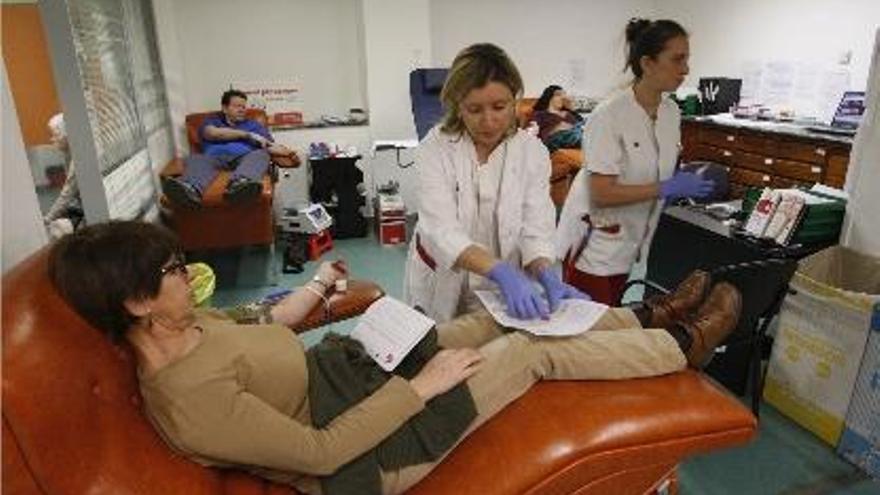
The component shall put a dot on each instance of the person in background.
(558, 125)
(485, 215)
(229, 141)
(66, 210)
(631, 145)
(245, 396)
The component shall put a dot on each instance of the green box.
(821, 222)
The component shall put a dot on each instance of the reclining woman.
(558, 125)
(241, 395)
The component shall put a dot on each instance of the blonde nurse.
(631, 146)
(485, 216)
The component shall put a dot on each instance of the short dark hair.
(229, 94)
(648, 38)
(544, 100)
(99, 267)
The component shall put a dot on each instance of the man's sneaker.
(242, 189)
(182, 193)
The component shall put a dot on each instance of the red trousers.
(604, 289)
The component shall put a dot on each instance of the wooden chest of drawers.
(764, 158)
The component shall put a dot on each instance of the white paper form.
(574, 316)
(777, 82)
(389, 329)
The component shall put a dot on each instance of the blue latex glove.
(523, 301)
(556, 289)
(686, 185)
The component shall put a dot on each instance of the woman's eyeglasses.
(177, 266)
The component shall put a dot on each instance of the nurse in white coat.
(631, 146)
(485, 215)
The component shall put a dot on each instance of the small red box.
(319, 244)
(392, 233)
(287, 118)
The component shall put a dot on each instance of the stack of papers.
(574, 316)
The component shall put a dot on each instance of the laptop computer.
(847, 117)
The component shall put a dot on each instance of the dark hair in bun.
(648, 38)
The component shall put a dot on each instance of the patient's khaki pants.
(516, 361)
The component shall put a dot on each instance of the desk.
(759, 154)
(687, 240)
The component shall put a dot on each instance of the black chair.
(763, 285)
(424, 91)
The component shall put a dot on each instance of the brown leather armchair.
(565, 163)
(72, 420)
(218, 224)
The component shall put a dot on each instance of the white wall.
(23, 231)
(725, 35)
(173, 70)
(308, 42)
(396, 41)
(551, 42)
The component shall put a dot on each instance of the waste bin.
(823, 327)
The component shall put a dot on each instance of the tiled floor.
(785, 459)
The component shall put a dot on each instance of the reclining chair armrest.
(343, 305)
(286, 161)
(173, 168)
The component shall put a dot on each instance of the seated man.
(231, 141)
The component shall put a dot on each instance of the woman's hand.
(445, 370)
(329, 272)
(521, 298)
(557, 290)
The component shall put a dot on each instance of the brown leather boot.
(712, 323)
(678, 304)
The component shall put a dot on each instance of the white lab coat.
(619, 139)
(448, 214)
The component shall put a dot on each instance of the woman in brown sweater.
(231, 395)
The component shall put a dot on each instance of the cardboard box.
(392, 233)
(823, 328)
(860, 442)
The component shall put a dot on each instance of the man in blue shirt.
(229, 141)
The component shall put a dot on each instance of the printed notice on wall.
(282, 101)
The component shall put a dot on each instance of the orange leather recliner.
(219, 224)
(72, 421)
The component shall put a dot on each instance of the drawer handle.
(731, 138)
(727, 153)
(768, 161)
(820, 151)
(766, 178)
(816, 170)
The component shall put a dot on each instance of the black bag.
(719, 94)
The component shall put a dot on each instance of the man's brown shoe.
(712, 323)
(678, 304)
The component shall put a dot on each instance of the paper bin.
(860, 442)
(823, 328)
